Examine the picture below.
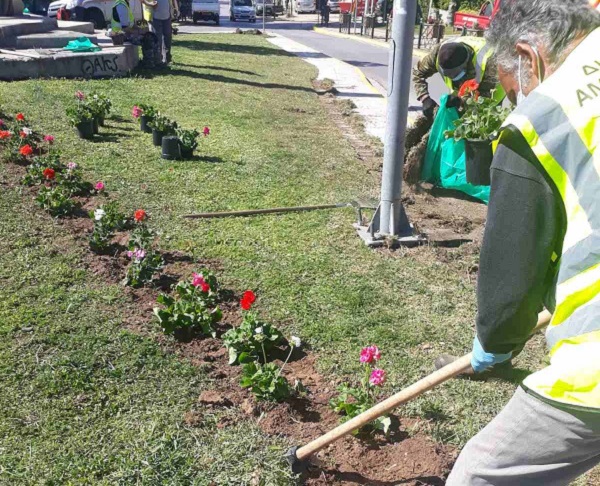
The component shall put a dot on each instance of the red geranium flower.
(467, 87)
(140, 215)
(49, 173)
(26, 150)
(5, 134)
(205, 287)
(20, 117)
(248, 299)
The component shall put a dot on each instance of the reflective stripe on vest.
(560, 120)
(116, 24)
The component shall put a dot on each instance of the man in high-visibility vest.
(542, 246)
(122, 17)
(457, 61)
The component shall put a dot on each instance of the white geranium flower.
(27, 131)
(296, 341)
(99, 214)
(258, 330)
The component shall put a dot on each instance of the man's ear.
(530, 58)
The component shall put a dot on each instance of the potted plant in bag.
(146, 114)
(82, 118)
(188, 140)
(478, 127)
(161, 126)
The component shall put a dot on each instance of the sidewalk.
(349, 81)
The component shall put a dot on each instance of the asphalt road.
(371, 59)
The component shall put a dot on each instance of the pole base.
(377, 239)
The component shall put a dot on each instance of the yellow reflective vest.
(480, 59)
(560, 121)
(116, 24)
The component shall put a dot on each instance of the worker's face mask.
(460, 75)
(520, 96)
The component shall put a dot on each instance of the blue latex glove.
(482, 361)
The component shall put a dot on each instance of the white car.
(207, 10)
(99, 12)
(306, 6)
(242, 10)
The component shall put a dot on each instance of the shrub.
(193, 307)
(163, 124)
(265, 381)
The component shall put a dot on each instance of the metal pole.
(390, 218)
(264, 10)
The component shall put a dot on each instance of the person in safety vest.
(122, 17)
(457, 61)
(159, 14)
(542, 246)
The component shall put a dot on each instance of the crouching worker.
(542, 245)
(457, 61)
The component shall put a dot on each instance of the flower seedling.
(481, 119)
(353, 401)
(193, 306)
(253, 339)
(162, 124)
(107, 219)
(188, 139)
(265, 380)
(145, 262)
(55, 199)
(79, 113)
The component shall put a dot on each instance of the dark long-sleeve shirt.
(525, 226)
(427, 67)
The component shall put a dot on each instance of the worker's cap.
(453, 59)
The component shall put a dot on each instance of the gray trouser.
(530, 443)
(162, 29)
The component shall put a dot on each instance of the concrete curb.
(416, 52)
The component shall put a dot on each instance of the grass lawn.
(85, 401)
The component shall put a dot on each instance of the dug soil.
(370, 458)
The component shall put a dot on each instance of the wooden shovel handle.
(455, 368)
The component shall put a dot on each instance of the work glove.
(481, 361)
(429, 107)
(454, 101)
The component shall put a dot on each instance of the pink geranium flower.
(206, 131)
(370, 354)
(79, 95)
(49, 139)
(99, 186)
(377, 377)
(71, 166)
(136, 112)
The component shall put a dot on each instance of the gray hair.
(549, 25)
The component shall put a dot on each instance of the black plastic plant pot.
(479, 156)
(157, 137)
(101, 121)
(95, 125)
(170, 148)
(85, 129)
(186, 152)
(144, 124)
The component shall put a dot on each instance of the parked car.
(207, 10)
(37, 7)
(483, 20)
(242, 10)
(99, 12)
(267, 5)
(334, 6)
(306, 6)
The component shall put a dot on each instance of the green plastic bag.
(81, 44)
(445, 158)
